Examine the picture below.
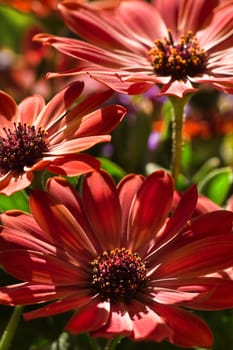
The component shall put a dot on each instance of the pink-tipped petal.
(13, 182)
(26, 293)
(147, 324)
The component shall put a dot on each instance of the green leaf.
(18, 200)
(112, 168)
(209, 165)
(216, 184)
(12, 25)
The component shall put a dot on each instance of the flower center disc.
(179, 60)
(21, 147)
(117, 275)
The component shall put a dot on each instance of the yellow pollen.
(117, 275)
(178, 60)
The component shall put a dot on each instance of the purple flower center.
(117, 275)
(21, 147)
(178, 59)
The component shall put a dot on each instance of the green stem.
(113, 343)
(9, 332)
(177, 124)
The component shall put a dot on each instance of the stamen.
(21, 147)
(117, 275)
(178, 60)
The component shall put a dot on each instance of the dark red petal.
(127, 188)
(27, 294)
(102, 208)
(70, 302)
(64, 193)
(64, 229)
(180, 216)
(37, 267)
(99, 122)
(149, 210)
(8, 110)
(88, 105)
(92, 26)
(198, 258)
(74, 165)
(89, 318)
(58, 105)
(188, 330)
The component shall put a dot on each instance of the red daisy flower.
(35, 136)
(175, 44)
(117, 256)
